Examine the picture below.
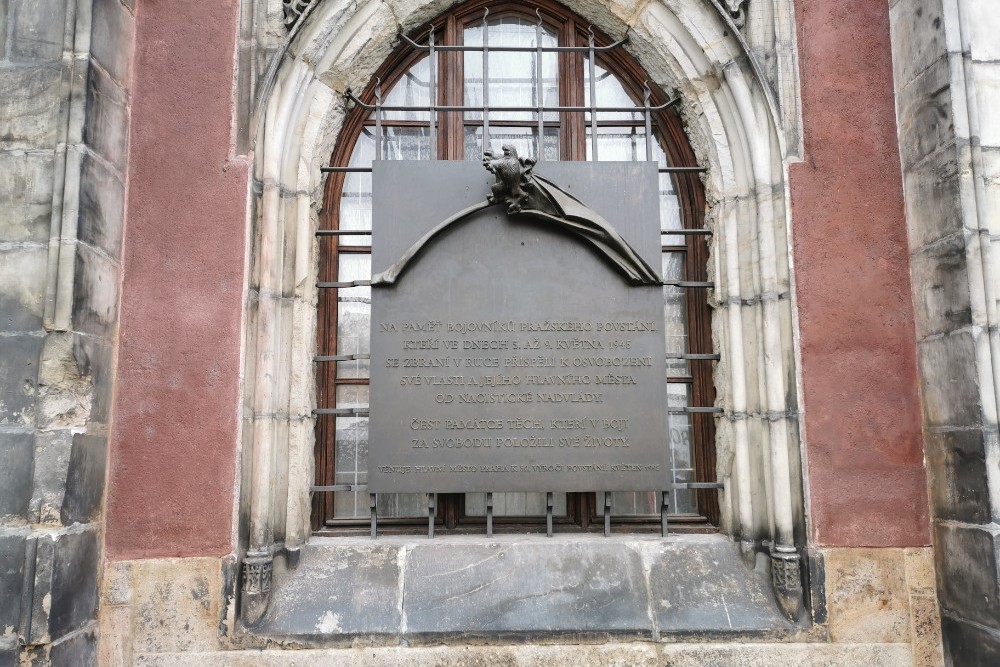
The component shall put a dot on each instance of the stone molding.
(736, 129)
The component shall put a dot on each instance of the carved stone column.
(256, 589)
(786, 577)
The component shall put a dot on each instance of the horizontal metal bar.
(342, 412)
(694, 410)
(694, 357)
(683, 170)
(700, 485)
(341, 357)
(348, 283)
(346, 170)
(526, 109)
(521, 49)
(343, 232)
(687, 232)
(339, 487)
(692, 284)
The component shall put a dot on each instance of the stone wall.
(880, 612)
(64, 106)
(946, 57)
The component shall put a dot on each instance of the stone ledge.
(632, 654)
(520, 588)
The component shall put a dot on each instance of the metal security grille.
(380, 115)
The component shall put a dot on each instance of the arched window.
(511, 80)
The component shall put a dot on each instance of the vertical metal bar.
(664, 506)
(607, 514)
(431, 509)
(539, 88)
(371, 506)
(378, 118)
(548, 513)
(646, 94)
(489, 514)
(432, 100)
(593, 93)
(486, 78)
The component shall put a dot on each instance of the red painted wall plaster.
(867, 483)
(175, 423)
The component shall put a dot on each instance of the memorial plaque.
(517, 346)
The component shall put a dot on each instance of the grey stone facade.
(64, 79)
(946, 65)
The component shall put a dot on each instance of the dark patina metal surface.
(513, 353)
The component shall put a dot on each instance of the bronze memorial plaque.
(517, 327)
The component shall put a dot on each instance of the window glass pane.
(354, 315)
(356, 200)
(675, 313)
(610, 93)
(524, 139)
(512, 75)
(515, 504)
(618, 144)
(681, 467)
(406, 143)
(411, 90)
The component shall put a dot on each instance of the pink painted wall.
(865, 452)
(174, 440)
(174, 435)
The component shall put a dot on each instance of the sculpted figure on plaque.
(523, 192)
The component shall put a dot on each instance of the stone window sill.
(520, 587)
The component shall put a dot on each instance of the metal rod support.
(372, 505)
(523, 108)
(345, 170)
(648, 118)
(345, 283)
(432, 93)
(522, 49)
(694, 410)
(343, 232)
(342, 412)
(607, 514)
(489, 514)
(548, 513)
(593, 92)
(431, 510)
(330, 488)
(341, 357)
(664, 508)
(539, 88)
(486, 80)
(689, 284)
(695, 357)
(687, 232)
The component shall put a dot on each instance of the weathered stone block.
(3, 29)
(941, 287)
(918, 37)
(867, 597)
(85, 479)
(986, 79)
(949, 380)
(30, 102)
(95, 361)
(17, 453)
(933, 192)
(102, 207)
(22, 287)
(95, 299)
(8, 650)
(957, 469)
(176, 604)
(338, 591)
(106, 127)
(709, 589)
(926, 123)
(77, 651)
(19, 357)
(75, 560)
(26, 191)
(920, 570)
(967, 560)
(111, 38)
(52, 455)
(969, 646)
(12, 550)
(925, 625)
(37, 29)
(538, 587)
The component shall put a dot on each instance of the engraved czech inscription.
(510, 355)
